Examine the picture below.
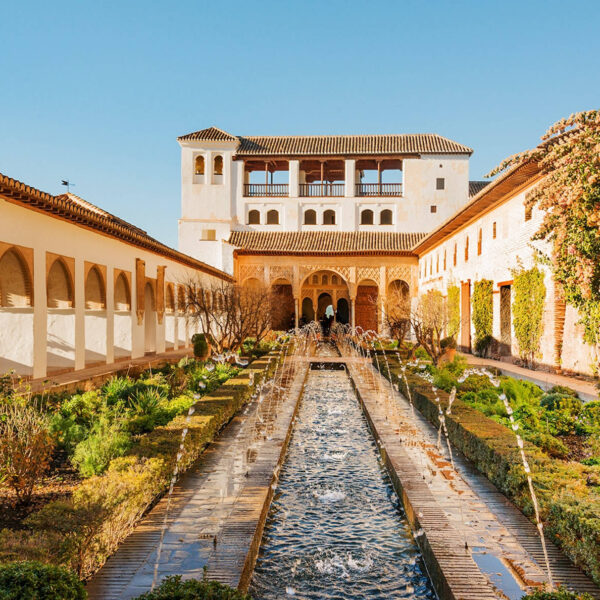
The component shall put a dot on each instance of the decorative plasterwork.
(343, 272)
(252, 271)
(403, 272)
(279, 272)
(371, 273)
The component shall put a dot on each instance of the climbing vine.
(482, 304)
(453, 310)
(529, 294)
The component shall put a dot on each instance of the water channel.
(336, 528)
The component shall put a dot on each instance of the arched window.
(273, 217)
(315, 279)
(329, 217)
(334, 279)
(218, 165)
(15, 287)
(254, 217)
(169, 299)
(366, 217)
(94, 290)
(324, 280)
(59, 287)
(180, 299)
(467, 249)
(385, 217)
(122, 295)
(199, 165)
(479, 242)
(310, 217)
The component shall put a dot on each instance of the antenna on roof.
(67, 183)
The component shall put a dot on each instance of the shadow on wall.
(7, 365)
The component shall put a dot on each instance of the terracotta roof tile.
(213, 134)
(323, 242)
(476, 186)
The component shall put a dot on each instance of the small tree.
(482, 302)
(397, 313)
(429, 321)
(25, 447)
(529, 295)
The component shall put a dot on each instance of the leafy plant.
(31, 580)
(482, 316)
(558, 594)
(453, 310)
(173, 588)
(25, 447)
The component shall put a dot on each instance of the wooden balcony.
(266, 190)
(378, 189)
(322, 190)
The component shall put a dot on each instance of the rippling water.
(336, 529)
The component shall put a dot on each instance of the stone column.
(294, 178)
(110, 314)
(79, 313)
(296, 311)
(40, 314)
(352, 312)
(350, 178)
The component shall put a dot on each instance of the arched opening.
(122, 294)
(169, 319)
(59, 286)
(308, 312)
(95, 298)
(329, 217)
(282, 306)
(366, 305)
(397, 309)
(366, 217)
(343, 311)
(323, 302)
(385, 217)
(218, 165)
(15, 282)
(169, 299)
(181, 334)
(310, 217)
(149, 319)
(254, 217)
(252, 282)
(273, 217)
(199, 165)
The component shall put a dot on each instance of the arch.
(180, 299)
(218, 165)
(324, 279)
(149, 319)
(386, 217)
(254, 217)
(169, 299)
(329, 217)
(122, 293)
(398, 291)
(273, 217)
(282, 306)
(343, 311)
(366, 217)
(308, 312)
(199, 165)
(95, 296)
(59, 287)
(15, 280)
(323, 301)
(251, 282)
(366, 305)
(310, 217)
(314, 279)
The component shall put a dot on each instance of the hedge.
(81, 533)
(568, 493)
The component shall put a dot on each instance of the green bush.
(200, 344)
(482, 314)
(173, 588)
(117, 389)
(36, 581)
(589, 418)
(564, 390)
(559, 594)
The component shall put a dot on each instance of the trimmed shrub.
(559, 594)
(173, 588)
(482, 314)
(201, 347)
(36, 581)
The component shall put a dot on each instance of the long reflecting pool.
(336, 528)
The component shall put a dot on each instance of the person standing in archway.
(329, 316)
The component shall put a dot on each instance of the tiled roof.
(323, 242)
(334, 145)
(476, 186)
(213, 134)
(73, 208)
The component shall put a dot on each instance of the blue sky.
(98, 91)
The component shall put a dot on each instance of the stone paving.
(218, 508)
(458, 507)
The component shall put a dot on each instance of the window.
(385, 217)
(199, 165)
(324, 280)
(254, 217)
(334, 279)
(467, 249)
(433, 208)
(310, 217)
(218, 165)
(528, 212)
(494, 230)
(440, 183)
(209, 235)
(479, 240)
(455, 254)
(444, 260)
(273, 217)
(315, 279)
(437, 263)
(366, 217)
(329, 217)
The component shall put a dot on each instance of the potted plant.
(448, 345)
(201, 346)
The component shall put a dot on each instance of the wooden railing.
(379, 189)
(266, 190)
(320, 190)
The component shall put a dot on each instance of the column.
(294, 175)
(40, 314)
(296, 311)
(352, 313)
(350, 178)
(110, 314)
(79, 314)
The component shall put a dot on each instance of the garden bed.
(84, 526)
(568, 490)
